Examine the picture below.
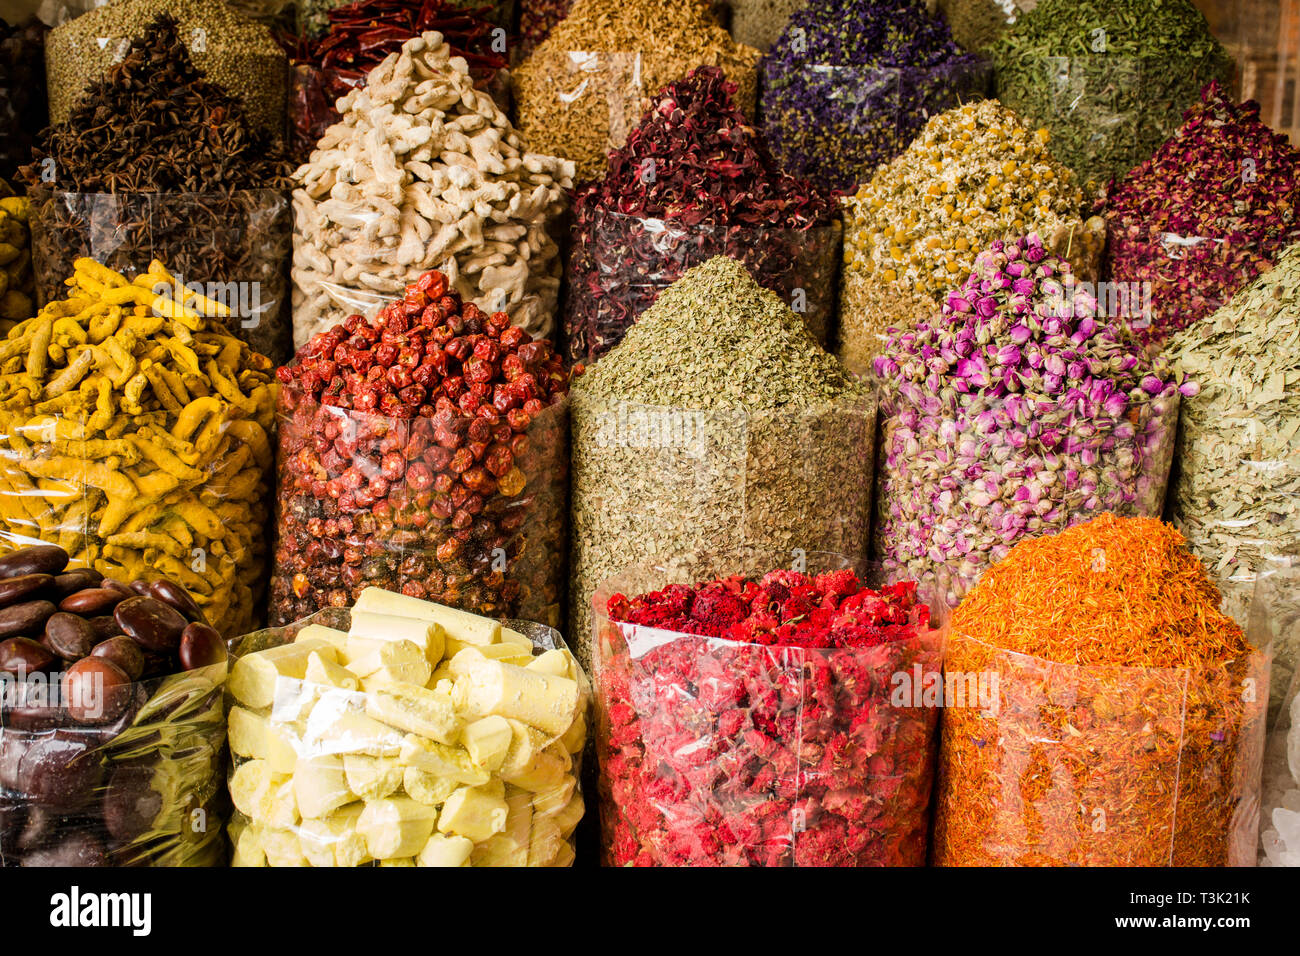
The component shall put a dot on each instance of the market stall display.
(1020, 410)
(1109, 78)
(17, 285)
(717, 422)
(693, 181)
(975, 174)
(405, 733)
(578, 95)
(1211, 210)
(111, 729)
(426, 452)
(750, 720)
(424, 171)
(849, 83)
(236, 53)
(156, 162)
(1121, 735)
(360, 35)
(134, 431)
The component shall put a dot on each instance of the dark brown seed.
(69, 636)
(173, 595)
(35, 708)
(140, 587)
(70, 582)
(92, 601)
(96, 690)
(117, 586)
(154, 625)
(201, 645)
(23, 655)
(60, 770)
(123, 652)
(13, 590)
(38, 559)
(26, 618)
(105, 627)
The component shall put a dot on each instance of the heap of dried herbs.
(849, 83)
(717, 422)
(977, 24)
(157, 162)
(1130, 714)
(693, 181)
(579, 94)
(360, 35)
(975, 174)
(1109, 78)
(1210, 211)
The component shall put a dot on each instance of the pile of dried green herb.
(717, 422)
(1109, 78)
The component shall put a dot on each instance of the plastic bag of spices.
(404, 733)
(234, 248)
(1129, 723)
(111, 725)
(993, 430)
(759, 719)
(1279, 822)
(135, 435)
(443, 475)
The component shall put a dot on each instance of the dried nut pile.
(693, 181)
(17, 286)
(580, 92)
(1211, 210)
(717, 422)
(849, 83)
(1120, 734)
(1019, 411)
(1109, 78)
(170, 165)
(421, 736)
(424, 172)
(1235, 490)
(974, 175)
(112, 730)
(753, 721)
(236, 53)
(425, 452)
(134, 429)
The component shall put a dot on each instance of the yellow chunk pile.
(424, 736)
(16, 280)
(133, 434)
(975, 174)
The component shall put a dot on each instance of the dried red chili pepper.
(749, 722)
(396, 485)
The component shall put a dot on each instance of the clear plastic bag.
(960, 486)
(327, 775)
(403, 522)
(721, 753)
(626, 261)
(1101, 766)
(144, 789)
(1107, 112)
(1280, 816)
(835, 124)
(235, 244)
(688, 481)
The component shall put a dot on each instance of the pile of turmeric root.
(134, 433)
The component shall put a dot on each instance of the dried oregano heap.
(717, 422)
(579, 94)
(974, 175)
(1109, 78)
(1235, 492)
(1206, 214)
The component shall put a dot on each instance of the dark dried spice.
(22, 92)
(360, 35)
(849, 83)
(157, 162)
(1209, 212)
(693, 181)
(536, 20)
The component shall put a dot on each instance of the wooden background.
(1264, 37)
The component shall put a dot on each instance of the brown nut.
(154, 625)
(173, 595)
(96, 690)
(23, 655)
(123, 652)
(13, 590)
(70, 582)
(92, 601)
(26, 618)
(201, 645)
(38, 559)
(69, 636)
